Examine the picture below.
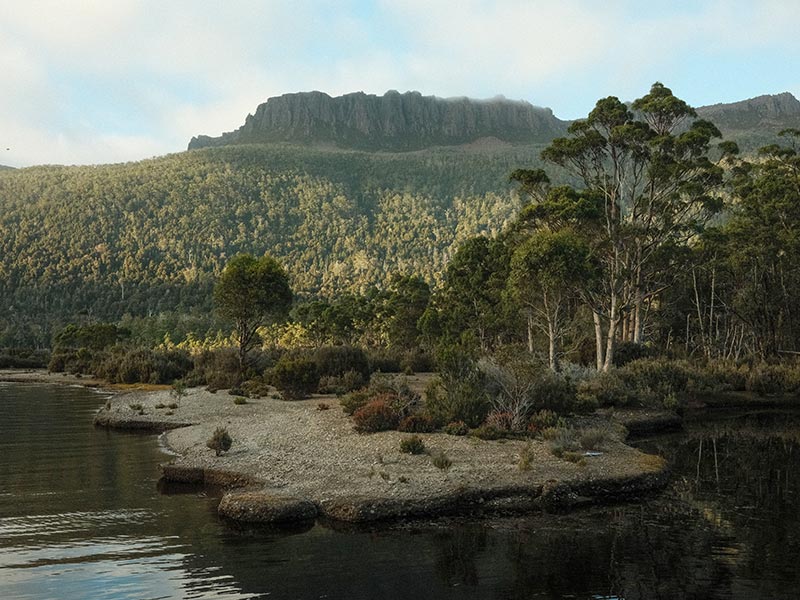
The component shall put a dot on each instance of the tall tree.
(252, 292)
(656, 186)
(548, 271)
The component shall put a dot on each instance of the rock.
(264, 507)
(393, 121)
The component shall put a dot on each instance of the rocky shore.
(293, 461)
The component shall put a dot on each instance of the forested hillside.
(147, 237)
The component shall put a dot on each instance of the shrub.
(595, 438)
(501, 421)
(417, 423)
(125, 364)
(404, 400)
(221, 441)
(526, 456)
(657, 374)
(440, 460)
(542, 420)
(383, 360)
(448, 400)
(296, 378)
(764, 379)
(456, 428)
(178, 390)
(412, 445)
(217, 368)
(341, 384)
(323, 406)
(487, 432)
(605, 389)
(626, 352)
(553, 391)
(564, 440)
(335, 361)
(416, 361)
(239, 400)
(376, 415)
(354, 400)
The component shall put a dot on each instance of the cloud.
(98, 80)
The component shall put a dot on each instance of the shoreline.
(292, 462)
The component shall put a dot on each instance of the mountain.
(393, 122)
(755, 122)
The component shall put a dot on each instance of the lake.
(82, 515)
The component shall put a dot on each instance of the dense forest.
(150, 237)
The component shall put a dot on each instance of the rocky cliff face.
(393, 121)
(763, 112)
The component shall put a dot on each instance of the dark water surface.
(81, 516)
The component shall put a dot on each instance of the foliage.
(417, 423)
(347, 382)
(336, 361)
(562, 442)
(354, 400)
(124, 364)
(456, 428)
(376, 415)
(294, 377)
(220, 441)
(440, 460)
(250, 293)
(412, 445)
(239, 400)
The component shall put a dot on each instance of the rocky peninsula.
(299, 460)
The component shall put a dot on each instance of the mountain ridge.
(411, 121)
(394, 121)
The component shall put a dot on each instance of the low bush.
(501, 421)
(565, 440)
(416, 361)
(383, 360)
(221, 441)
(765, 379)
(448, 400)
(605, 389)
(295, 378)
(659, 375)
(526, 456)
(335, 361)
(456, 428)
(217, 368)
(412, 445)
(417, 423)
(487, 432)
(544, 419)
(239, 400)
(341, 384)
(595, 438)
(323, 406)
(126, 364)
(354, 400)
(376, 415)
(440, 460)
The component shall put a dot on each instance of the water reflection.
(83, 516)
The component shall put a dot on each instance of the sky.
(100, 81)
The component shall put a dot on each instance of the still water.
(82, 516)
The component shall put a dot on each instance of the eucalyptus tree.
(548, 272)
(648, 166)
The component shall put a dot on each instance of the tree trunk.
(611, 336)
(530, 334)
(598, 337)
(551, 334)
